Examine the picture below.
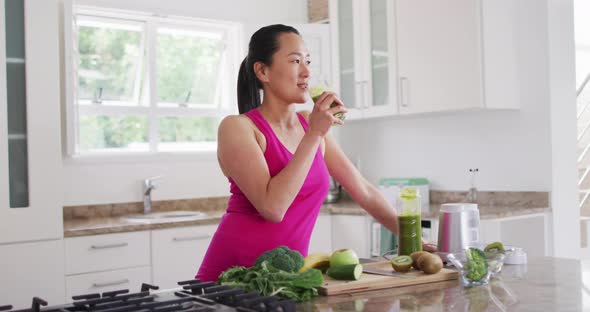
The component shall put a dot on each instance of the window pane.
(187, 133)
(110, 63)
(188, 68)
(105, 133)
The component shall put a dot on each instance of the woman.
(278, 162)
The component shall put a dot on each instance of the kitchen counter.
(93, 224)
(544, 284)
(485, 211)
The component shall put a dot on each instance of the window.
(148, 84)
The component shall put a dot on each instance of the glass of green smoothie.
(315, 93)
(409, 222)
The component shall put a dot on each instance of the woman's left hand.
(430, 247)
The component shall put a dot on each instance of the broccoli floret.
(282, 258)
(476, 266)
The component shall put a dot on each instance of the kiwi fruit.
(415, 256)
(402, 263)
(495, 247)
(430, 263)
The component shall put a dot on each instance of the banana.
(320, 261)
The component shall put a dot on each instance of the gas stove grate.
(195, 296)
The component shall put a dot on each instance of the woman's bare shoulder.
(235, 122)
(239, 129)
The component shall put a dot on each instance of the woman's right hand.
(322, 116)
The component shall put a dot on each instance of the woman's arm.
(361, 191)
(242, 159)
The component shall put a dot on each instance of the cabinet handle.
(191, 238)
(403, 87)
(361, 89)
(365, 87)
(115, 245)
(105, 284)
(358, 88)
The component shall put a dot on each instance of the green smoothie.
(315, 94)
(410, 234)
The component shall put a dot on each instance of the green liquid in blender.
(410, 234)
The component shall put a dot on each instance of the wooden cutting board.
(372, 282)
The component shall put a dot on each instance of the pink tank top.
(244, 234)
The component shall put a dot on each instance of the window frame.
(147, 105)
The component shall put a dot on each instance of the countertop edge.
(110, 225)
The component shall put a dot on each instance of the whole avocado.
(282, 258)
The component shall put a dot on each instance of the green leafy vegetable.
(282, 258)
(270, 281)
(476, 266)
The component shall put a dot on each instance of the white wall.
(512, 149)
(563, 125)
(582, 31)
(250, 11)
(98, 183)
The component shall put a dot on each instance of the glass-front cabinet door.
(364, 56)
(30, 148)
(345, 60)
(16, 102)
(382, 97)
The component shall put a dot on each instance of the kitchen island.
(544, 284)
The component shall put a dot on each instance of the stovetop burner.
(192, 296)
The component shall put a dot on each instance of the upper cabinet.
(363, 34)
(415, 56)
(30, 145)
(455, 55)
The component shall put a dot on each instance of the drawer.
(178, 253)
(107, 252)
(107, 281)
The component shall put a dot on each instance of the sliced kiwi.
(495, 247)
(415, 256)
(402, 263)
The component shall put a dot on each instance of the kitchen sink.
(165, 216)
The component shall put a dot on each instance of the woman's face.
(288, 75)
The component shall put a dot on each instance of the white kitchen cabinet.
(95, 253)
(321, 237)
(32, 269)
(177, 253)
(100, 282)
(30, 147)
(528, 232)
(365, 69)
(352, 232)
(456, 55)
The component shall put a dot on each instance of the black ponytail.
(263, 44)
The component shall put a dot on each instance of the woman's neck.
(278, 112)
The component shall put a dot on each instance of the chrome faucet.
(148, 187)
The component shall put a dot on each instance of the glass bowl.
(495, 262)
(460, 261)
(495, 259)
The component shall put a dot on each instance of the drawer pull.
(116, 245)
(113, 283)
(191, 238)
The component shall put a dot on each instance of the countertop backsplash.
(104, 219)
